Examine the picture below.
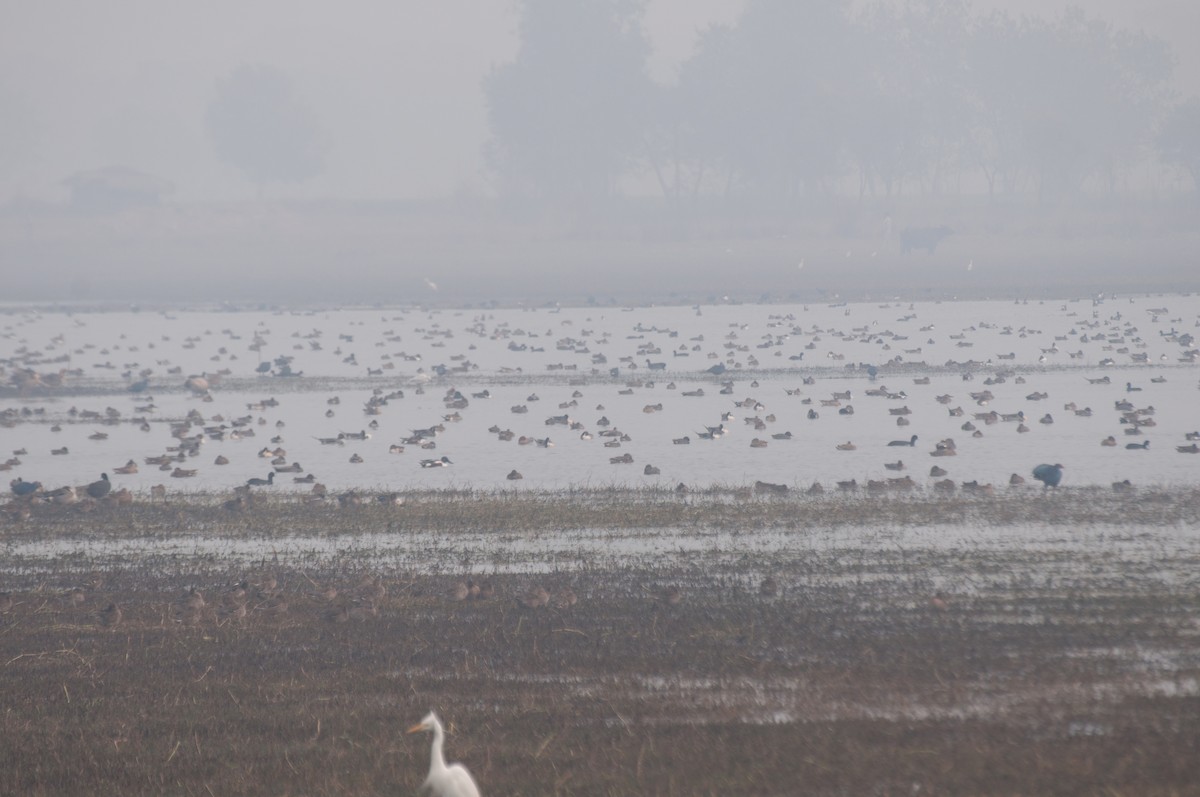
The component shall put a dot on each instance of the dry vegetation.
(885, 662)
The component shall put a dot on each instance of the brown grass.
(875, 671)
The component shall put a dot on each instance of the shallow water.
(515, 353)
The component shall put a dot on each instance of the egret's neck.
(437, 761)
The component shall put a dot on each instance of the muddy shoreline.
(1027, 642)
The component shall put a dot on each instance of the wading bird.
(1049, 475)
(444, 780)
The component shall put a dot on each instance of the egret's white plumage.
(444, 780)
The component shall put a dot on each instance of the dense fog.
(596, 150)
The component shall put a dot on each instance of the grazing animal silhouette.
(926, 238)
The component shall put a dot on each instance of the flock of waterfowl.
(672, 389)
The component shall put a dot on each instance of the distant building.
(116, 188)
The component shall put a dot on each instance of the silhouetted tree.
(694, 125)
(568, 116)
(1179, 139)
(1067, 99)
(257, 124)
(789, 66)
(796, 96)
(909, 96)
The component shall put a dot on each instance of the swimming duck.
(436, 463)
(912, 441)
(257, 482)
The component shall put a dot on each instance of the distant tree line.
(802, 99)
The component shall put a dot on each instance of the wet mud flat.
(621, 642)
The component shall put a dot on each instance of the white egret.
(444, 781)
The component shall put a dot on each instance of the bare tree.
(1179, 139)
(258, 125)
(567, 116)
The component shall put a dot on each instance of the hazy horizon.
(546, 149)
(395, 88)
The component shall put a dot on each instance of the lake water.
(557, 361)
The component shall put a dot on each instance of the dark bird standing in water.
(23, 488)
(1049, 475)
(100, 488)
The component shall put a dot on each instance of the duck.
(128, 468)
(257, 482)
(847, 446)
(99, 489)
(912, 441)
(897, 465)
(22, 488)
(443, 462)
(672, 595)
(1109, 441)
(1189, 449)
(534, 598)
(110, 615)
(1144, 446)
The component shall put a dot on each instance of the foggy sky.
(396, 86)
